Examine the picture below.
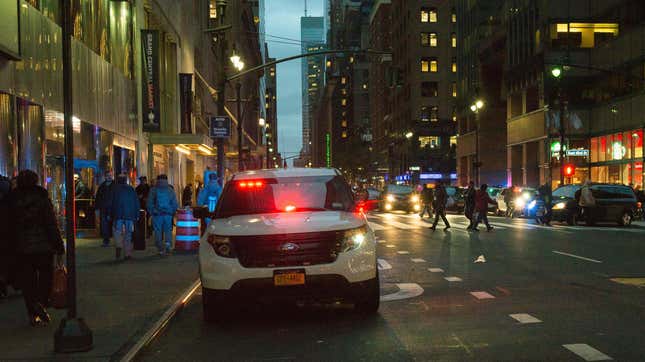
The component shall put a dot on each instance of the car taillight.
(250, 184)
(639, 204)
(221, 245)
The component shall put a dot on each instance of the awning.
(185, 142)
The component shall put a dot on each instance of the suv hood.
(286, 223)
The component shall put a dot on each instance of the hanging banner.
(151, 110)
(186, 101)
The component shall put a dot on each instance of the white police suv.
(287, 234)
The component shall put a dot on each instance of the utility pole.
(240, 120)
(72, 335)
(221, 84)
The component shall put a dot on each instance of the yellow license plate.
(289, 278)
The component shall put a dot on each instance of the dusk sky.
(282, 35)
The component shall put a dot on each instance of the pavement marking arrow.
(406, 291)
(587, 352)
(453, 279)
(390, 246)
(524, 318)
(403, 252)
(435, 270)
(418, 260)
(383, 265)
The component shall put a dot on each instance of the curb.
(161, 323)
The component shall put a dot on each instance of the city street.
(520, 292)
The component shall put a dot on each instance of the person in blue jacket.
(125, 212)
(162, 205)
(210, 194)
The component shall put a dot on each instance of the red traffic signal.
(569, 170)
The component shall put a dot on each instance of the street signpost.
(220, 127)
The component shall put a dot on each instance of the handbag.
(59, 287)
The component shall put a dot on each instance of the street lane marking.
(403, 252)
(482, 295)
(587, 352)
(435, 270)
(390, 246)
(388, 219)
(376, 227)
(383, 265)
(453, 279)
(524, 318)
(406, 291)
(514, 226)
(637, 282)
(381, 241)
(418, 260)
(577, 256)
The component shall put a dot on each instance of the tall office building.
(312, 35)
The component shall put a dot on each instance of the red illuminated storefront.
(618, 158)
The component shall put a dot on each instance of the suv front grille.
(269, 251)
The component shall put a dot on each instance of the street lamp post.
(476, 107)
(239, 65)
(73, 335)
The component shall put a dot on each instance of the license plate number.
(290, 277)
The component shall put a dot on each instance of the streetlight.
(556, 72)
(262, 122)
(409, 134)
(476, 107)
(239, 65)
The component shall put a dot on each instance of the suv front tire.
(369, 303)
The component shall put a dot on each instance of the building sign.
(435, 176)
(9, 28)
(220, 127)
(186, 101)
(414, 168)
(327, 149)
(618, 151)
(151, 110)
(578, 153)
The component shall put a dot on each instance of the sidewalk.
(118, 300)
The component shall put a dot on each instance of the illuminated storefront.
(618, 158)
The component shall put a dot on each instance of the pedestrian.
(187, 196)
(469, 204)
(427, 196)
(509, 195)
(37, 240)
(198, 189)
(142, 190)
(5, 244)
(103, 203)
(439, 206)
(210, 194)
(125, 212)
(545, 194)
(587, 202)
(80, 190)
(162, 205)
(481, 208)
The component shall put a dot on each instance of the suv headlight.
(559, 206)
(222, 245)
(389, 198)
(353, 239)
(414, 198)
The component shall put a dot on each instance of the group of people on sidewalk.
(475, 205)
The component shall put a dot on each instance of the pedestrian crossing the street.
(390, 221)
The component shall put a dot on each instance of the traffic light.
(556, 72)
(569, 170)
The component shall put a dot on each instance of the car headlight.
(526, 196)
(532, 204)
(417, 207)
(222, 245)
(388, 207)
(519, 203)
(414, 198)
(389, 198)
(559, 206)
(353, 239)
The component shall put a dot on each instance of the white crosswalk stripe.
(376, 227)
(389, 220)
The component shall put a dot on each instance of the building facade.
(424, 43)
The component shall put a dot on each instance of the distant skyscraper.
(312, 35)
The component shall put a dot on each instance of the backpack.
(162, 204)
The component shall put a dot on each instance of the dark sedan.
(614, 203)
(399, 197)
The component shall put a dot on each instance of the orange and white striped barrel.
(187, 234)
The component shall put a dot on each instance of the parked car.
(400, 197)
(455, 199)
(614, 203)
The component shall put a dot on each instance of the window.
(429, 65)
(343, 102)
(454, 89)
(434, 114)
(425, 65)
(343, 80)
(429, 89)
(453, 140)
(428, 15)
(429, 141)
(212, 10)
(344, 123)
(453, 16)
(429, 39)
(582, 35)
(453, 66)
(344, 134)
(453, 40)
(425, 114)
(454, 113)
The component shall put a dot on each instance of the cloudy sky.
(282, 35)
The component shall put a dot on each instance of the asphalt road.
(520, 292)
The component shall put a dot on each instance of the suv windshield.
(566, 191)
(309, 193)
(399, 189)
